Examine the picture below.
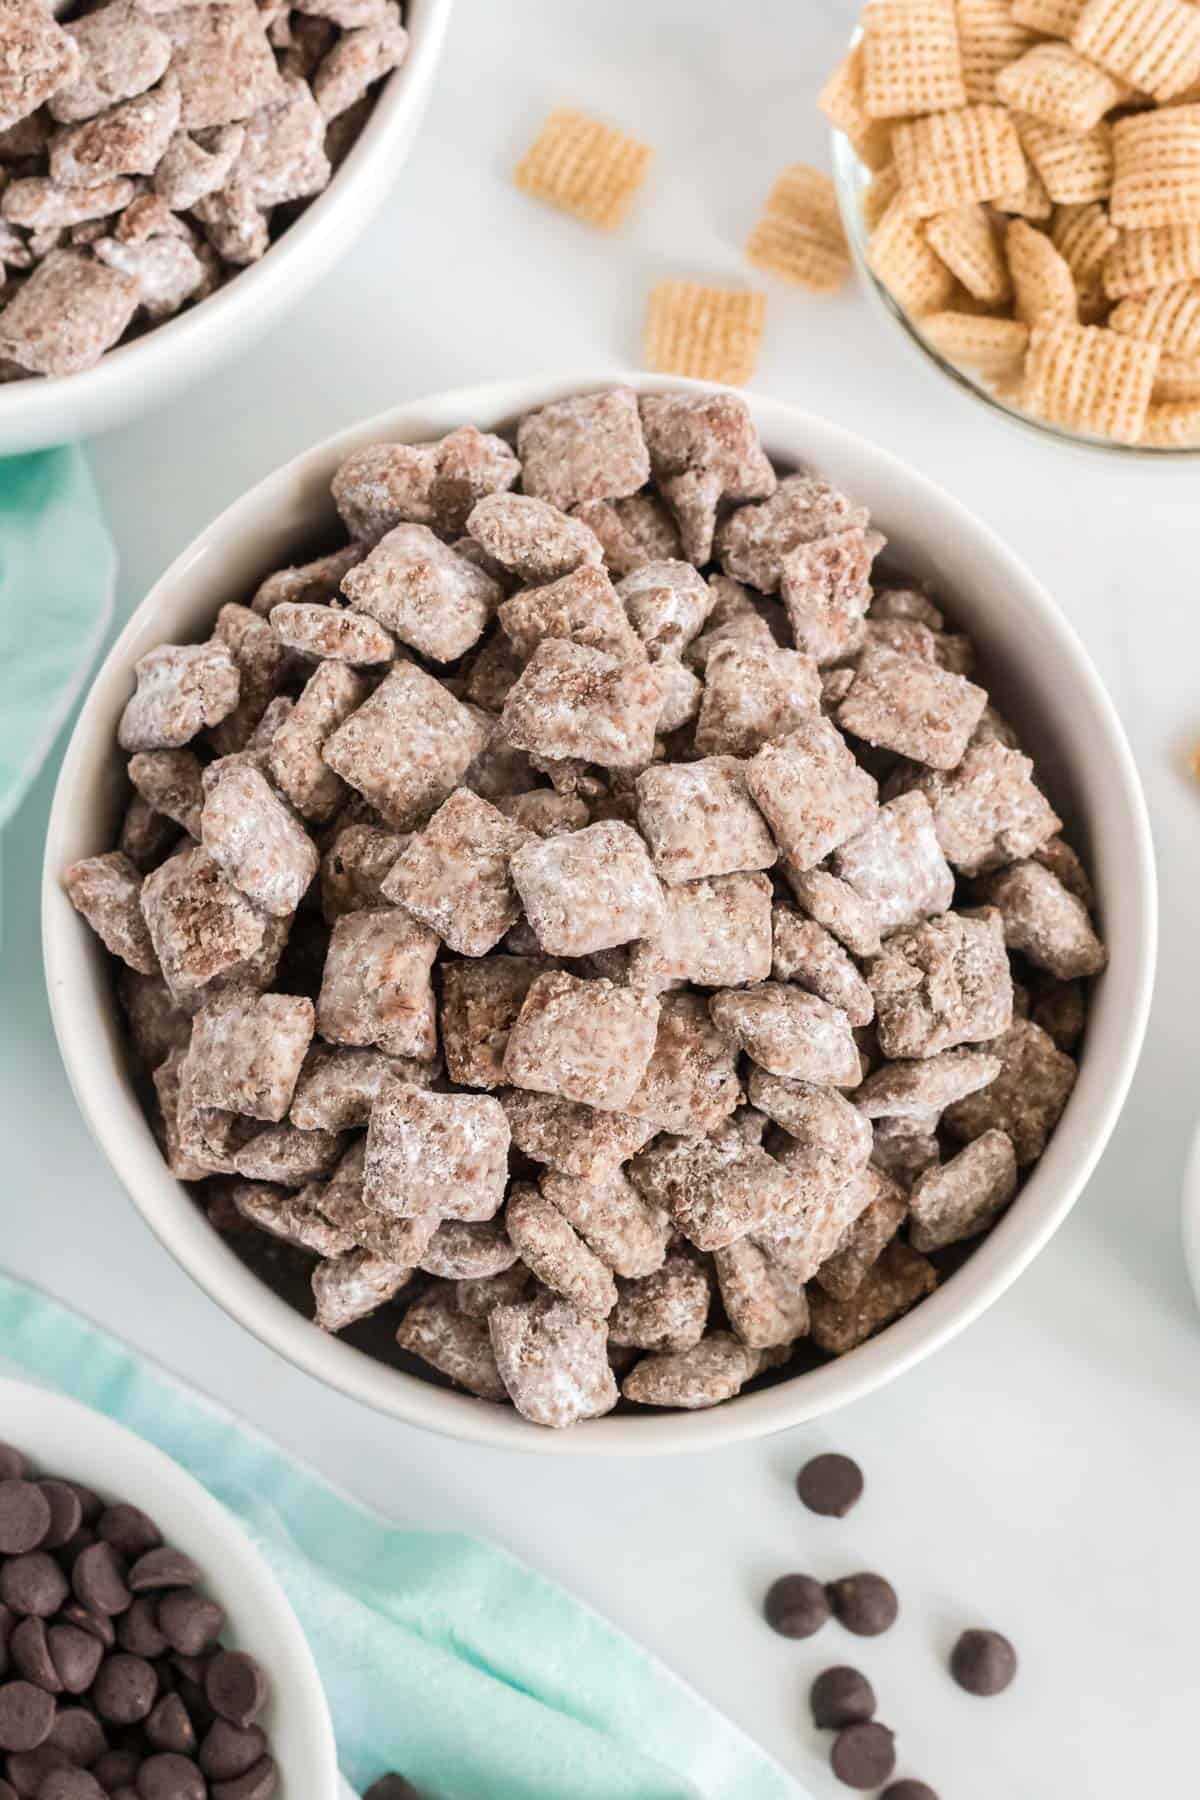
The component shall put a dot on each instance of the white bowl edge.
(960, 555)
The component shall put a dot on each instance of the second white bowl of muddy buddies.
(600, 915)
(172, 178)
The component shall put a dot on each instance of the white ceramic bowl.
(63, 1438)
(1042, 679)
(143, 373)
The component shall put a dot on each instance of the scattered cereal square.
(584, 167)
(706, 333)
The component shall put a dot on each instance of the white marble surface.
(1042, 1473)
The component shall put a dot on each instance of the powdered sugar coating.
(715, 1369)
(826, 588)
(424, 592)
(667, 1310)
(989, 811)
(691, 1083)
(1045, 922)
(550, 1246)
(715, 933)
(965, 1195)
(455, 874)
(354, 867)
(716, 1189)
(452, 1342)
(332, 694)
(582, 606)
(805, 953)
(246, 1051)
(941, 983)
(922, 712)
(288, 1217)
(255, 838)
(337, 1085)
(584, 1040)
(573, 1139)
(107, 890)
(465, 1250)
(754, 541)
(351, 1287)
(864, 1241)
(481, 1002)
(200, 924)
(834, 904)
(570, 701)
(667, 604)
(552, 1361)
(588, 890)
(39, 60)
(763, 1301)
(897, 865)
(811, 790)
(328, 631)
(407, 747)
(181, 688)
(753, 695)
(435, 1153)
(635, 530)
(1026, 1099)
(895, 1283)
(375, 988)
(587, 448)
(699, 819)
(704, 450)
(530, 537)
(789, 1032)
(915, 1090)
(628, 1236)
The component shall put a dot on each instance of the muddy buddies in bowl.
(149, 151)
(588, 936)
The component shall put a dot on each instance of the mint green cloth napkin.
(57, 574)
(442, 1657)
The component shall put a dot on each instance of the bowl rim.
(849, 171)
(119, 1464)
(996, 1263)
(49, 409)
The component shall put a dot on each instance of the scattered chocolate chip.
(168, 1727)
(24, 1516)
(865, 1604)
(236, 1686)
(162, 1568)
(33, 1584)
(170, 1777)
(98, 1577)
(983, 1662)
(863, 1755)
(124, 1689)
(79, 1734)
(27, 1769)
(830, 1485)
(190, 1623)
(90, 1502)
(908, 1790)
(66, 1513)
(258, 1783)
(841, 1696)
(796, 1606)
(131, 1533)
(26, 1715)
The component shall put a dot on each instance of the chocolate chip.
(138, 1629)
(128, 1530)
(236, 1686)
(124, 1689)
(116, 1768)
(189, 1622)
(70, 1784)
(24, 1516)
(97, 1625)
(90, 1502)
(983, 1662)
(79, 1734)
(908, 1790)
(98, 1577)
(863, 1755)
(169, 1728)
(66, 1513)
(796, 1606)
(33, 1584)
(258, 1783)
(27, 1769)
(196, 1700)
(163, 1568)
(26, 1715)
(229, 1750)
(170, 1777)
(31, 1658)
(841, 1696)
(391, 1787)
(13, 1465)
(830, 1485)
(865, 1604)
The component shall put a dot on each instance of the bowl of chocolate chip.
(149, 1651)
(600, 905)
(172, 178)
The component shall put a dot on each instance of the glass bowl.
(851, 179)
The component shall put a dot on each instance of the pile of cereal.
(1035, 201)
(611, 936)
(113, 1677)
(149, 151)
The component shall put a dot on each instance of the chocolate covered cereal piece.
(582, 606)
(570, 701)
(337, 1085)
(789, 1032)
(806, 1234)
(479, 1296)
(1026, 1099)
(716, 1189)
(385, 485)
(425, 593)
(183, 1154)
(329, 631)
(262, 668)
(357, 60)
(897, 1281)
(452, 1342)
(200, 924)
(811, 790)
(826, 589)
(288, 1217)
(631, 531)
(543, 812)
(481, 1002)
(805, 953)
(838, 907)
(589, 447)
(156, 1025)
(549, 1245)
(573, 1139)
(715, 1369)
(704, 450)
(587, 890)
(533, 539)
(353, 1286)
(254, 838)
(296, 761)
(375, 989)
(314, 583)
(221, 59)
(167, 270)
(126, 139)
(911, 707)
(865, 1239)
(628, 1236)
(407, 747)
(690, 1085)
(190, 170)
(181, 688)
(988, 811)
(763, 1302)
(1045, 922)
(145, 836)
(832, 1136)
(455, 876)
(1060, 1008)
(40, 59)
(667, 604)
(354, 867)
(715, 933)
(283, 151)
(583, 1040)
(284, 1154)
(753, 695)
(343, 1202)
(552, 1361)
(964, 1196)
(667, 1310)
(107, 891)
(897, 865)
(461, 1250)
(121, 53)
(916, 1090)
(699, 820)
(754, 542)
(246, 1051)
(941, 983)
(435, 1153)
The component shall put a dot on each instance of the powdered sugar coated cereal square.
(455, 876)
(588, 890)
(583, 1040)
(587, 448)
(698, 819)
(375, 989)
(435, 1153)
